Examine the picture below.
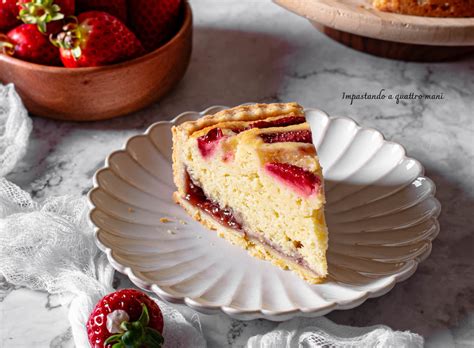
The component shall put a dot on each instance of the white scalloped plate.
(381, 212)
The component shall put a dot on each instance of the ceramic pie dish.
(357, 24)
(361, 18)
(381, 214)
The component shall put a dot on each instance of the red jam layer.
(300, 136)
(195, 195)
(301, 180)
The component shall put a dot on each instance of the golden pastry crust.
(242, 113)
(428, 8)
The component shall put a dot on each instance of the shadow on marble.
(440, 294)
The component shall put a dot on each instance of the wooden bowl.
(357, 24)
(98, 93)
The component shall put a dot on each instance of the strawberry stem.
(70, 38)
(40, 12)
(136, 334)
(6, 47)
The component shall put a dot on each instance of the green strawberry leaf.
(40, 12)
(144, 317)
(137, 334)
(153, 337)
(57, 16)
(42, 27)
(113, 339)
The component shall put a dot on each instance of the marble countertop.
(255, 51)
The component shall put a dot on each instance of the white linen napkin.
(49, 246)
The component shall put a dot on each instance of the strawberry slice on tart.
(252, 173)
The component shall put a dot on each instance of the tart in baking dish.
(429, 8)
(252, 174)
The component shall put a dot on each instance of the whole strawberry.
(125, 319)
(154, 21)
(27, 43)
(117, 8)
(46, 14)
(97, 38)
(8, 14)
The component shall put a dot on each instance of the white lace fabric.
(49, 246)
(323, 333)
(15, 129)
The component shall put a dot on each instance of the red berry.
(97, 39)
(303, 181)
(117, 8)
(207, 144)
(130, 301)
(154, 22)
(30, 45)
(8, 14)
(297, 136)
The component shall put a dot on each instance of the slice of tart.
(428, 8)
(252, 174)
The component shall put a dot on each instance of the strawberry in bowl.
(8, 14)
(127, 318)
(96, 38)
(27, 43)
(109, 62)
(117, 8)
(153, 21)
